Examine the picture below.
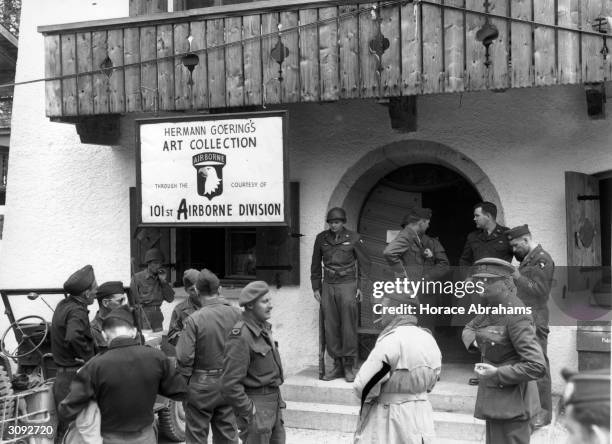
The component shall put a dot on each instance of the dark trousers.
(204, 408)
(340, 313)
(544, 385)
(155, 317)
(508, 432)
(267, 427)
(61, 388)
(145, 436)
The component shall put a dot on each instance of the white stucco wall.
(67, 203)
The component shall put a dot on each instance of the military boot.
(336, 371)
(349, 371)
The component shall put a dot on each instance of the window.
(240, 253)
(180, 5)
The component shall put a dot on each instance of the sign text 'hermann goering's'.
(203, 171)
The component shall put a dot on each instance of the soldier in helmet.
(150, 288)
(183, 310)
(339, 265)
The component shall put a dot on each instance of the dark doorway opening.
(451, 198)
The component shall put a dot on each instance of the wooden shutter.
(583, 230)
(278, 248)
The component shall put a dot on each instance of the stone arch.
(355, 185)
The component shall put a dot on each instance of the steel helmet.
(153, 255)
(336, 213)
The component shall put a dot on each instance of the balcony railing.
(276, 52)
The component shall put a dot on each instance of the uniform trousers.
(340, 318)
(155, 316)
(544, 385)
(205, 409)
(267, 427)
(61, 388)
(508, 432)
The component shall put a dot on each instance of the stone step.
(309, 436)
(343, 418)
(451, 393)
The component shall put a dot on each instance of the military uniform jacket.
(343, 256)
(71, 339)
(124, 382)
(96, 332)
(534, 283)
(202, 342)
(177, 320)
(480, 244)
(406, 255)
(509, 343)
(251, 361)
(149, 290)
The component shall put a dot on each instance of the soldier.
(488, 240)
(413, 254)
(512, 360)
(533, 280)
(110, 295)
(252, 370)
(149, 288)
(345, 267)
(187, 307)
(200, 358)
(587, 406)
(71, 340)
(124, 382)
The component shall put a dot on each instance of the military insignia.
(235, 332)
(541, 264)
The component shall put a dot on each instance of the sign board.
(212, 170)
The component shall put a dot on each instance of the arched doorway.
(451, 198)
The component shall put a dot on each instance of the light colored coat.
(396, 410)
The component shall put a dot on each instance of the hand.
(317, 296)
(485, 370)
(358, 295)
(427, 253)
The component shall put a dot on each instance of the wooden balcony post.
(143, 7)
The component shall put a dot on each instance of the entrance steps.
(331, 406)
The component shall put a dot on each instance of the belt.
(212, 372)
(398, 398)
(340, 271)
(151, 307)
(260, 390)
(63, 369)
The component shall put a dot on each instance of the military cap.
(124, 313)
(492, 267)
(207, 282)
(587, 386)
(519, 231)
(415, 214)
(190, 277)
(253, 291)
(153, 255)
(336, 213)
(80, 280)
(108, 289)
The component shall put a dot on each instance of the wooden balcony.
(330, 52)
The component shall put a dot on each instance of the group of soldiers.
(228, 370)
(340, 265)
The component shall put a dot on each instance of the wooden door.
(382, 212)
(583, 230)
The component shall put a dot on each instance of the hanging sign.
(212, 170)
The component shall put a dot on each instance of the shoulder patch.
(542, 264)
(237, 329)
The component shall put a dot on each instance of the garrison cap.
(108, 289)
(492, 267)
(207, 282)
(80, 280)
(415, 214)
(253, 291)
(124, 313)
(587, 386)
(519, 231)
(153, 255)
(190, 277)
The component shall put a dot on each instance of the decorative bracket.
(487, 34)
(379, 44)
(279, 53)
